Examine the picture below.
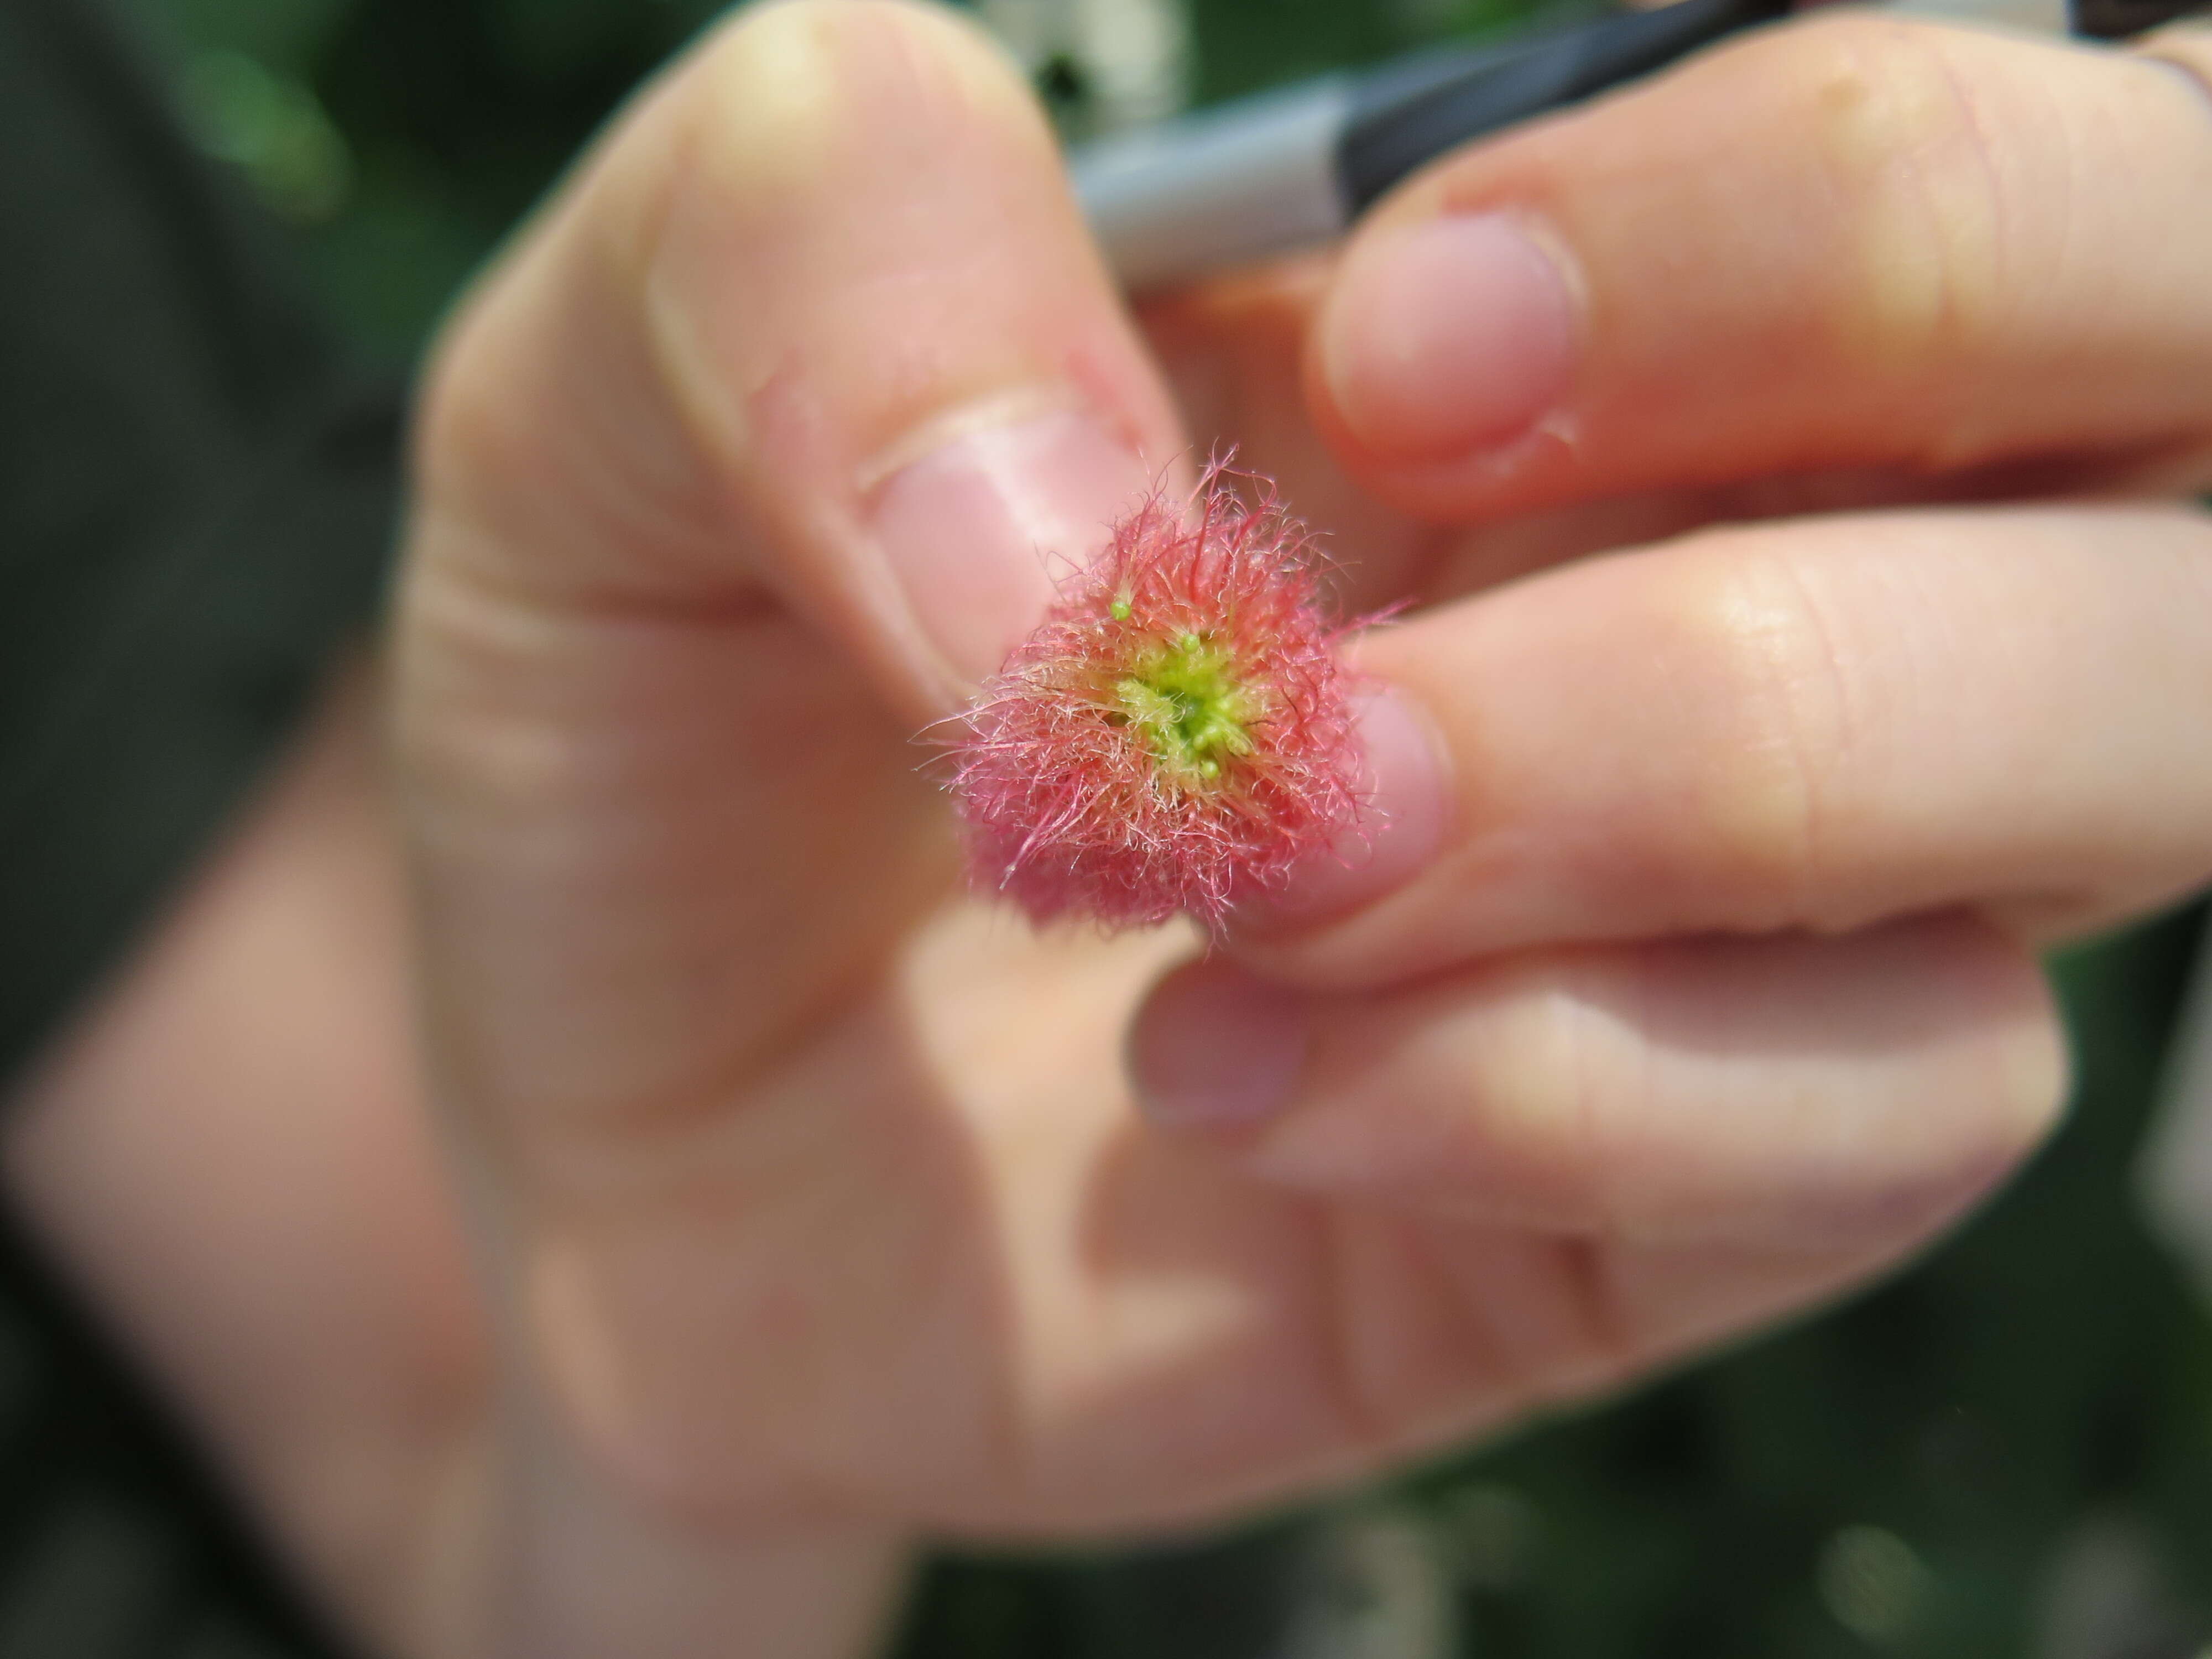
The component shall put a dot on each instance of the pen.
(1290, 168)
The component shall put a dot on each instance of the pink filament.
(1067, 810)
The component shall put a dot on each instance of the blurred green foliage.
(403, 137)
(1910, 1475)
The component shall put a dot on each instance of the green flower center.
(1184, 696)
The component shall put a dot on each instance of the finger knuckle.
(1753, 665)
(1566, 1088)
(1897, 136)
(1548, 1075)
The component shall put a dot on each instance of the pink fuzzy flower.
(1175, 735)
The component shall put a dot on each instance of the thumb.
(820, 327)
(755, 452)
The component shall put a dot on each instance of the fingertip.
(2031, 1063)
(1447, 336)
(1216, 1049)
(1404, 814)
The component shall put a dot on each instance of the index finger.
(1852, 241)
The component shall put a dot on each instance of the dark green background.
(1928, 1452)
(450, 116)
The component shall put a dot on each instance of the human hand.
(1695, 985)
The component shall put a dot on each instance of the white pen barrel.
(1204, 192)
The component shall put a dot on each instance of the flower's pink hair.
(1069, 811)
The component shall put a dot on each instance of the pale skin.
(816, 1211)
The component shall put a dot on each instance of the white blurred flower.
(1118, 63)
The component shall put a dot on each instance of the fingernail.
(978, 529)
(1215, 1048)
(1447, 336)
(1400, 827)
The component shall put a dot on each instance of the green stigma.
(1184, 696)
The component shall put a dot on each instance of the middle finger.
(1814, 725)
